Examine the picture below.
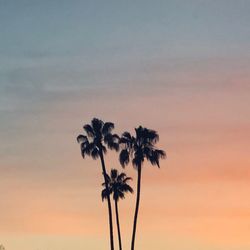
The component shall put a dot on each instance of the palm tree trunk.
(109, 203)
(136, 207)
(118, 226)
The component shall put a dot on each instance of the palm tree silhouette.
(139, 148)
(118, 186)
(99, 134)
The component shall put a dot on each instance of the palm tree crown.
(98, 134)
(118, 185)
(140, 147)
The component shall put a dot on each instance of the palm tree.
(118, 186)
(99, 134)
(137, 149)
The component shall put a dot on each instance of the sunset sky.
(179, 67)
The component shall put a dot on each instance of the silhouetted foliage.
(98, 134)
(140, 147)
(117, 184)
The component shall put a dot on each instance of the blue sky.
(47, 47)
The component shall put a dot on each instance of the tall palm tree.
(118, 186)
(99, 134)
(139, 148)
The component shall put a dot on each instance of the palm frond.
(104, 194)
(121, 177)
(89, 130)
(162, 154)
(87, 147)
(107, 127)
(139, 132)
(126, 139)
(137, 161)
(127, 179)
(124, 157)
(104, 149)
(145, 135)
(95, 153)
(151, 135)
(113, 174)
(126, 188)
(155, 156)
(127, 135)
(97, 125)
(81, 138)
(138, 156)
(112, 141)
(120, 195)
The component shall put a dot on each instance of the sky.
(179, 67)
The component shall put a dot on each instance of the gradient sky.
(180, 67)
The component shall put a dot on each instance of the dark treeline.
(98, 137)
